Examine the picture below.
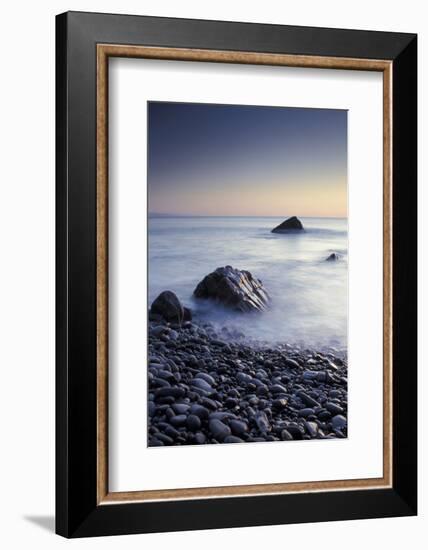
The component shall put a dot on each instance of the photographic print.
(247, 274)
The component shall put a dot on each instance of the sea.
(309, 294)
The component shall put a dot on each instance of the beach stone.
(289, 225)
(262, 390)
(155, 442)
(310, 375)
(279, 403)
(170, 392)
(180, 408)
(168, 306)
(295, 431)
(338, 422)
(160, 382)
(235, 289)
(159, 330)
(171, 432)
(324, 415)
(238, 427)
(202, 385)
(219, 430)
(262, 422)
(233, 439)
(221, 415)
(292, 363)
(244, 378)
(278, 388)
(231, 402)
(307, 399)
(165, 439)
(209, 403)
(179, 420)
(311, 428)
(333, 408)
(208, 379)
(200, 438)
(306, 412)
(200, 411)
(286, 435)
(166, 375)
(152, 409)
(193, 422)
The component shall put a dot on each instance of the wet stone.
(193, 422)
(338, 422)
(219, 429)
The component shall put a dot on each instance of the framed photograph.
(236, 274)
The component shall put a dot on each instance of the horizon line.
(168, 215)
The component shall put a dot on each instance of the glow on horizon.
(309, 200)
(202, 162)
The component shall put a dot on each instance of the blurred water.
(309, 295)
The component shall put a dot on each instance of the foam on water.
(309, 295)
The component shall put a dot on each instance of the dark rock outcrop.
(169, 308)
(289, 225)
(234, 288)
(333, 257)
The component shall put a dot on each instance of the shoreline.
(209, 386)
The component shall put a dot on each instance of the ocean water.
(309, 295)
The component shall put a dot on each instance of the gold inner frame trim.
(104, 51)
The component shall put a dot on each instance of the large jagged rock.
(168, 307)
(234, 288)
(289, 225)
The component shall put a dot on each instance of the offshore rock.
(333, 257)
(289, 225)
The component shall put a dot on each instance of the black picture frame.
(77, 511)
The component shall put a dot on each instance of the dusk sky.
(229, 160)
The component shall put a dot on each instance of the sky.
(232, 160)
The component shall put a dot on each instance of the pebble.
(219, 429)
(338, 422)
(159, 330)
(193, 422)
(280, 403)
(202, 385)
(307, 399)
(306, 412)
(286, 435)
(238, 427)
(179, 420)
(170, 392)
(311, 428)
(262, 422)
(200, 411)
(200, 438)
(333, 408)
(208, 379)
(233, 439)
(181, 408)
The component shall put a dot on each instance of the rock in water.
(234, 288)
(169, 307)
(333, 257)
(289, 225)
